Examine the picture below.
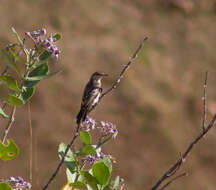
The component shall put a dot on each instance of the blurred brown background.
(157, 107)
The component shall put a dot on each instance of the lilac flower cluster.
(93, 159)
(17, 183)
(108, 128)
(41, 40)
(88, 124)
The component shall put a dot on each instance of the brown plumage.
(91, 95)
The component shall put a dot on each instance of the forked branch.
(205, 129)
(171, 171)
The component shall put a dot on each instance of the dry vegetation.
(158, 105)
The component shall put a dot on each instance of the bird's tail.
(81, 116)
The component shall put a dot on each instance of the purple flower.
(88, 124)
(108, 128)
(93, 159)
(41, 40)
(17, 183)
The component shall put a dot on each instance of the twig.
(204, 102)
(9, 124)
(78, 126)
(125, 68)
(30, 143)
(180, 161)
(172, 180)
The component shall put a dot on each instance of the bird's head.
(98, 76)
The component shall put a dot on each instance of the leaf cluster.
(80, 174)
(30, 66)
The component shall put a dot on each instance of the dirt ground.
(157, 107)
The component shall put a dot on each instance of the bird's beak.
(104, 74)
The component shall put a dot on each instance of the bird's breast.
(96, 99)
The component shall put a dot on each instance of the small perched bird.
(91, 95)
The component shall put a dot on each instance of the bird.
(91, 95)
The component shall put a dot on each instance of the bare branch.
(9, 124)
(204, 102)
(172, 180)
(126, 67)
(78, 126)
(180, 161)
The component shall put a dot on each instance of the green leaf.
(71, 165)
(70, 176)
(61, 150)
(91, 180)
(78, 184)
(70, 160)
(14, 101)
(17, 36)
(85, 137)
(101, 172)
(11, 62)
(10, 82)
(5, 186)
(2, 113)
(41, 70)
(37, 78)
(108, 163)
(45, 55)
(57, 37)
(8, 152)
(88, 150)
(116, 182)
(27, 94)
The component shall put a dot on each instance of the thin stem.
(9, 124)
(126, 67)
(204, 102)
(30, 143)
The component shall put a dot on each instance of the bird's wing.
(87, 93)
(90, 97)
